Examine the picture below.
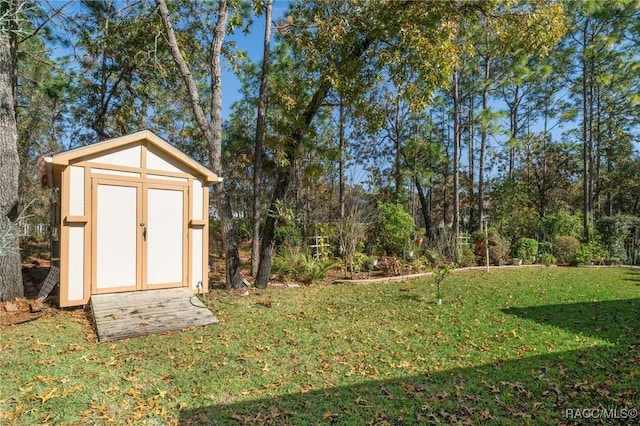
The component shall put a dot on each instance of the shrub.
(564, 248)
(583, 254)
(527, 250)
(561, 223)
(466, 257)
(617, 234)
(288, 235)
(394, 228)
(310, 269)
(284, 262)
(589, 252)
(498, 247)
(548, 259)
(290, 263)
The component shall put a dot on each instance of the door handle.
(144, 233)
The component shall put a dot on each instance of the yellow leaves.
(44, 397)
(112, 389)
(328, 415)
(134, 392)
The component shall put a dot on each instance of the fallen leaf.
(45, 397)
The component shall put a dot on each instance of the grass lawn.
(514, 346)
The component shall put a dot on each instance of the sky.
(251, 43)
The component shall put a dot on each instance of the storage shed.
(132, 215)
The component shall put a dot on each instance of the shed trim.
(67, 157)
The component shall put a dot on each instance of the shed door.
(117, 207)
(165, 237)
(139, 236)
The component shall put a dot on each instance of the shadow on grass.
(540, 389)
(536, 390)
(616, 321)
(633, 275)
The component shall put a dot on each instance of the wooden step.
(142, 313)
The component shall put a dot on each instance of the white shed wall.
(128, 157)
(197, 201)
(76, 263)
(196, 257)
(157, 160)
(76, 191)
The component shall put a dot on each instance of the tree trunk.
(424, 206)
(585, 140)
(483, 143)
(259, 141)
(342, 155)
(397, 140)
(513, 118)
(10, 265)
(211, 129)
(456, 165)
(267, 242)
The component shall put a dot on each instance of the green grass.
(514, 346)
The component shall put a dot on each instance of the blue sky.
(251, 43)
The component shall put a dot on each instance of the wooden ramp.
(142, 313)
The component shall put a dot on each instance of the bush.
(548, 259)
(394, 229)
(527, 250)
(561, 223)
(617, 233)
(466, 257)
(498, 247)
(564, 248)
(310, 269)
(292, 264)
(589, 252)
(284, 262)
(288, 235)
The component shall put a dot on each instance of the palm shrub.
(290, 263)
(310, 269)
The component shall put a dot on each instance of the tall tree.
(10, 266)
(400, 36)
(116, 53)
(259, 139)
(211, 128)
(600, 44)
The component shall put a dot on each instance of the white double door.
(139, 235)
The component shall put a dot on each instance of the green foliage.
(466, 256)
(290, 263)
(617, 235)
(310, 269)
(561, 223)
(548, 259)
(359, 260)
(394, 229)
(514, 195)
(564, 248)
(284, 262)
(592, 251)
(288, 235)
(244, 229)
(527, 250)
(439, 275)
